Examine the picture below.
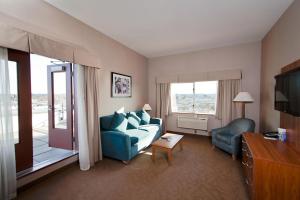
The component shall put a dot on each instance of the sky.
(39, 83)
(205, 87)
(12, 66)
(38, 67)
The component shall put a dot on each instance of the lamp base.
(243, 110)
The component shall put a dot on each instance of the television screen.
(287, 92)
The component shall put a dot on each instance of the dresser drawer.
(247, 163)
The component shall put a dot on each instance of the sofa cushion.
(224, 137)
(133, 121)
(137, 134)
(145, 117)
(151, 128)
(119, 122)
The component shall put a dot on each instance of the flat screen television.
(287, 92)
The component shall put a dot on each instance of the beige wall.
(280, 47)
(41, 18)
(246, 57)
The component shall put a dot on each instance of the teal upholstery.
(225, 138)
(229, 138)
(134, 140)
(133, 121)
(105, 122)
(119, 122)
(145, 117)
(157, 121)
(124, 145)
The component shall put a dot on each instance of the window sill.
(191, 113)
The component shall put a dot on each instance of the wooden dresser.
(271, 168)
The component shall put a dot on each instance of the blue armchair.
(228, 138)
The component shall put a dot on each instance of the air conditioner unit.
(196, 123)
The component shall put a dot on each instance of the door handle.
(50, 107)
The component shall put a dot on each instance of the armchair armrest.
(236, 143)
(116, 144)
(156, 121)
(216, 131)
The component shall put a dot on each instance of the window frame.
(193, 106)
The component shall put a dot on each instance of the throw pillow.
(133, 121)
(119, 122)
(145, 117)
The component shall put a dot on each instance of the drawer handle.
(247, 165)
(247, 182)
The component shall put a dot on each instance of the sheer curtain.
(86, 100)
(163, 97)
(226, 109)
(7, 146)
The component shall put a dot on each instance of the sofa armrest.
(116, 144)
(156, 121)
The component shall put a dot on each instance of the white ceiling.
(163, 27)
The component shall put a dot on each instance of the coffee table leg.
(181, 148)
(153, 154)
(170, 158)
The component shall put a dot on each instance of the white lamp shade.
(243, 97)
(147, 107)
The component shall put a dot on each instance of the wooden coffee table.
(167, 145)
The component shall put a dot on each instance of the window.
(13, 81)
(182, 97)
(206, 97)
(197, 97)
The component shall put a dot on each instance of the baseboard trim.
(190, 134)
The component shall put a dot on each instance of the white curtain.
(84, 158)
(163, 97)
(226, 108)
(86, 100)
(7, 147)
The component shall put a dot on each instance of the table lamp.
(147, 107)
(243, 98)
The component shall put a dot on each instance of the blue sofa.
(124, 145)
(229, 138)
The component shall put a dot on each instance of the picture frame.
(121, 85)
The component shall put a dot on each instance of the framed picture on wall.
(121, 85)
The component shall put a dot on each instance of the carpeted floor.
(197, 172)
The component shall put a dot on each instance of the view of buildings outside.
(199, 97)
(39, 90)
(204, 103)
(39, 94)
(13, 81)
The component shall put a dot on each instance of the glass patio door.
(60, 106)
(19, 75)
